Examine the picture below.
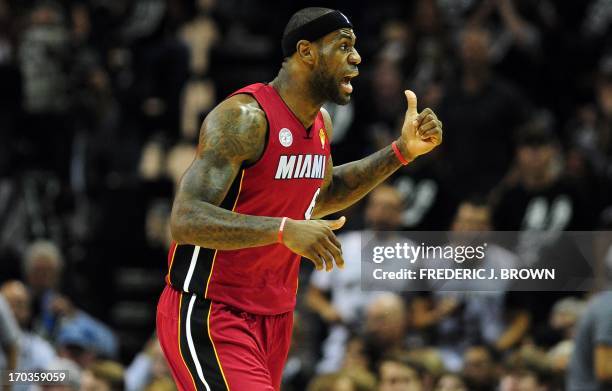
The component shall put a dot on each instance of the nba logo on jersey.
(285, 137)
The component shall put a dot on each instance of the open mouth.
(346, 84)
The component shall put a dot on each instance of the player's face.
(337, 65)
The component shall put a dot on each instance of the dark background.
(101, 102)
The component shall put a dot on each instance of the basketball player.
(248, 209)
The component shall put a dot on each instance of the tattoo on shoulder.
(234, 129)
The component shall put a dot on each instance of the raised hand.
(421, 132)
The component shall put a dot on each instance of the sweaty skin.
(234, 133)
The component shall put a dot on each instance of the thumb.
(335, 224)
(412, 103)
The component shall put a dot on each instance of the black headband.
(314, 30)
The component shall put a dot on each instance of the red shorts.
(210, 346)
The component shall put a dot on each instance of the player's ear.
(306, 51)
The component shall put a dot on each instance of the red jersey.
(285, 181)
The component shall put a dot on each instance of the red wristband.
(399, 155)
(280, 229)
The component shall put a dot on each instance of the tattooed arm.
(232, 134)
(346, 184)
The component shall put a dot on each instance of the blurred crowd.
(100, 108)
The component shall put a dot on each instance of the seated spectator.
(462, 313)
(479, 368)
(355, 355)
(589, 367)
(346, 302)
(72, 371)
(34, 351)
(9, 335)
(343, 382)
(43, 265)
(385, 327)
(430, 358)
(450, 382)
(526, 370)
(299, 366)
(563, 320)
(148, 368)
(57, 316)
(398, 373)
(103, 376)
(99, 336)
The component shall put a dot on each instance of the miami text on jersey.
(300, 166)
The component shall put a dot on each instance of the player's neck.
(296, 95)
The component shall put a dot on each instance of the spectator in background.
(83, 338)
(518, 41)
(563, 320)
(345, 305)
(43, 265)
(73, 372)
(57, 316)
(158, 164)
(589, 138)
(541, 202)
(538, 196)
(527, 370)
(589, 367)
(465, 313)
(299, 366)
(486, 134)
(103, 376)
(44, 55)
(427, 58)
(479, 368)
(9, 336)
(355, 356)
(523, 380)
(385, 327)
(198, 98)
(398, 373)
(342, 382)
(34, 351)
(451, 382)
(148, 369)
(200, 34)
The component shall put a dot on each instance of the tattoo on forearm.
(210, 226)
(352, 181)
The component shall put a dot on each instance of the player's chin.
(343, 97)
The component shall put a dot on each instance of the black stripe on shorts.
(195, 312)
